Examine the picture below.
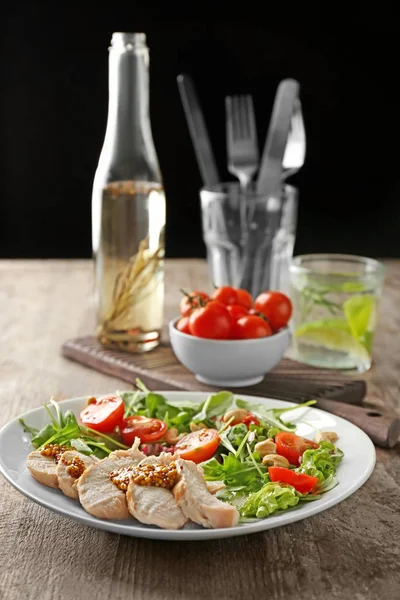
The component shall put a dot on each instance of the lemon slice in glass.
(332, 338)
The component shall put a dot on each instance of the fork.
(241, 138)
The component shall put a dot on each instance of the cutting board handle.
(383, 430)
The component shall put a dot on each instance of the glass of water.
(249, 237)
(335, 302)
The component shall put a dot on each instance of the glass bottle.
(128, 208)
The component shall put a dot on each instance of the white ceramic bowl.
(234, 363)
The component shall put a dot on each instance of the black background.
(54, 106)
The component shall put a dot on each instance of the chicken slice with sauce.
(98, 494)
(155, 505)
(70, 467)
(197, 503)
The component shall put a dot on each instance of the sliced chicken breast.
(43, 468)
(155, 505)
(197, 503)
(66, 481)
(98, 495)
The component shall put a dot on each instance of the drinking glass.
(335, 301)
(249, 237)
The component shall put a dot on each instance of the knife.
(198, 131)
(269, 176)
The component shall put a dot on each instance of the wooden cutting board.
(160, 369)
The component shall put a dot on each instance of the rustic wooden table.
(352, 551)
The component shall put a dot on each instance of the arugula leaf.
(81, 446)
(131, 399)
(43, 435)
(156, 404)
(176, 413)
(59, 414)
(31, 430)
(270, 498)
(233, 472)
(236, 433)
(214, 406)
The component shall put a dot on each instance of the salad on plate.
(171, 462)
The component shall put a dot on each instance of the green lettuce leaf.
(270, 498)
(321, 462)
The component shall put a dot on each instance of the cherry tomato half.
(244, 298)
(103, 414)
(226, 295)
(251, 327)
(276, 307)
(237, 311)
(301, 482)
(212, 321)
(191, 301)
(292, 446)
(183, 325)
(199, 445)
(148, 430)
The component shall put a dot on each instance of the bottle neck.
(128, 89)
(129, 139)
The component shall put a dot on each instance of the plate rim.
(139, 531)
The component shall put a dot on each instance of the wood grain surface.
(351, 551)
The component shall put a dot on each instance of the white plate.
(357, 465)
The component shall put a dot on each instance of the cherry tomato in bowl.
(244, 298)
(226, 295)
(212, 321)
(145, 428)
(251, 327)
(191, 301)
(103, 414)
(237, 311)
(277, 307)
(199, 445)
(183, 325)
(292, 446)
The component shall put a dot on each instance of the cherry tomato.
(292, 446)
(183, 325)
(301, 482)
(191, 301)
(237, 311)
(148, 430)
(212, 321)
(103, 414)
(250, 420)
(199, 445)
(244, 298)
(251, 327)
(276, 307)
(226, 295)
